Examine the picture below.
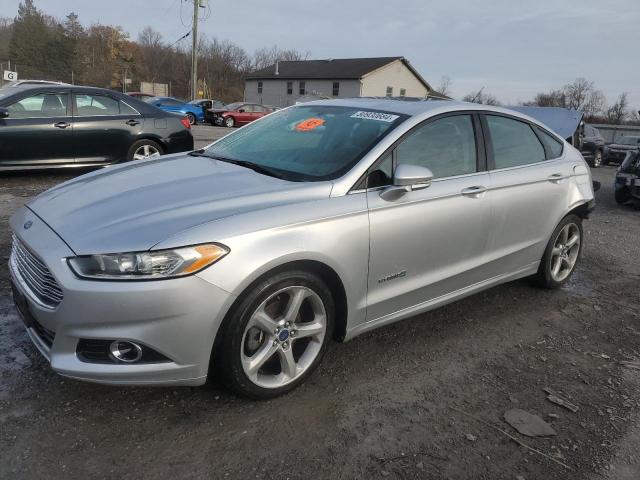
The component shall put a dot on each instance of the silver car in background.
(319, 221)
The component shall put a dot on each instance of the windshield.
(630, 140)
(309, 143)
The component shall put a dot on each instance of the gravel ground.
(424, 398)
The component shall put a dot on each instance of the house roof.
(337, 68)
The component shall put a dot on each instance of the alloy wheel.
(146, 151)
(283, 337)
(564, 254)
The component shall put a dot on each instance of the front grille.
(44, 333)
(35, 274)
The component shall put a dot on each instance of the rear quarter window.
(553, 146)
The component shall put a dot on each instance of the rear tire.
(271, 342)
(192, 118)
(562, 253)
(143, 149)
(622, 195)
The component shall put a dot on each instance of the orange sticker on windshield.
(309, 124)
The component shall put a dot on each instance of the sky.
(512, 48)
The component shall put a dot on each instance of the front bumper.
(177, 318)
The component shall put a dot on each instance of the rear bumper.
(179, 142)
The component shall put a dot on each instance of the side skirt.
(441, 301)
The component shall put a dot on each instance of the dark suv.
(627, 184)
(617, 151)
(592, 146)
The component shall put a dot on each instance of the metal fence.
(612, 133)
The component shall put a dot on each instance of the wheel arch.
(324, 271)
(582, 210)
(155, 138)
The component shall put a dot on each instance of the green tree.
(38, 45)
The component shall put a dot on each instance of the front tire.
(192, 118)
(277, 334)
(562, 253)
(229, 122)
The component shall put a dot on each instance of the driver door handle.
(132, 122)
(62, 125)
(471, 191)
(556, 177)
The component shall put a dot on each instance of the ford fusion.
(318, 222)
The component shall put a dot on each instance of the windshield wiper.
(242, 163)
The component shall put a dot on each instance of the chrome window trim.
(517, 167)
(35, 118)
(132, 108)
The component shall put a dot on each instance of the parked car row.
(235, 114)
(45, 125)
(214, 112)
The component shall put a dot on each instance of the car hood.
(135, 206)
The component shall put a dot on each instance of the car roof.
(404, 107)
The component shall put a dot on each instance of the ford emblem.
(27, 225)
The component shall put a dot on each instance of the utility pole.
(194, 51)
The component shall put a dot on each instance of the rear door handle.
(471, 191)
(62, 125)
(556, 177)
(132, 122)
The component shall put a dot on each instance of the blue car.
(194, 113)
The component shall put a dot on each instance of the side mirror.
(4, 112)
(407, 178)
(241, 110)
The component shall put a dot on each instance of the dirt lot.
(420, 399)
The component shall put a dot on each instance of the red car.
(234, 114)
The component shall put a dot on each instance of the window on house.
(403, 92)
(259, 87)
(389, 91)
(336, 89)
(303, 90)
(289, 88)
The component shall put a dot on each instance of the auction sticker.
(381, 117)
(309, 124)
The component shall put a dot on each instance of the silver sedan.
(320, 221)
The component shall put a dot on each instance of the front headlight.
(148, 265)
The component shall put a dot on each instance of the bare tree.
(619, 111)
(149, 37)
(481, 97)
(444, 87)
(265, 57)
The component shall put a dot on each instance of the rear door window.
(514, 142)
(96, 105)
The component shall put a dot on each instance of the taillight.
(185, 121)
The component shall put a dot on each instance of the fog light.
(127, 352)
